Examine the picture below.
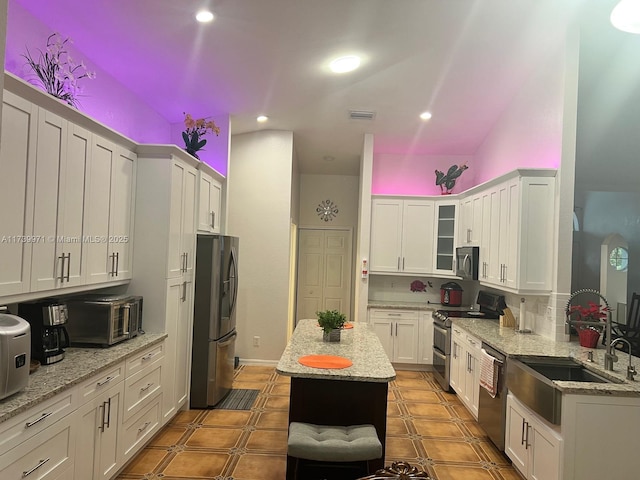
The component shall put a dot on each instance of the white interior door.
(324, 272)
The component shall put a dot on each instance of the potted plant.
(589, 334)
(447, 181)
(331, 322)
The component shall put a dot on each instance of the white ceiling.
(461, 59)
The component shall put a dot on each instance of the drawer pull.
(104, 382)
(38, 420)
(144, 389)
(147, 357)
(29, 472)
(144, 427)
(394, 314)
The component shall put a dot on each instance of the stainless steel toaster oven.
(99, 320)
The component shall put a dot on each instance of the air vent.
(361, 115)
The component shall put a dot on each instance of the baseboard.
(413, 367)
(258, 362)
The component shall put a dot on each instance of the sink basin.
(563, 368)
(530, 379)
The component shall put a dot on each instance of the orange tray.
(325, 361)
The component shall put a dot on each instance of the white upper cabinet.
(209, 205)
(470, 221)
(182, 219)
(516, 256)
(17, 179)
(402, 236)
(445, 237)
(110, 212)
(62, 164)
(71, 197)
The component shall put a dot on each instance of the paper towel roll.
(522, 325)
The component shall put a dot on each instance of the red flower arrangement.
(589, 334)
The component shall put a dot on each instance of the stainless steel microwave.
(467, 259)
(99, 320)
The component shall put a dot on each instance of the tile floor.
(425, 427)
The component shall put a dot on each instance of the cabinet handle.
(61, 258)
(184, 292)
(396, 329)
(391, 331)
(38, 420)
(402, 263)
(102, 422)
(68, 267)
(29, 472)
(113, 264)
(394, 314)
(146, 357)
(186, 261)
(108, 402)
(213, 219)
(144, 427)
(398, 263)
(117, 262)
(526, 438)
(522, 434)
(468, 235)
(104, 382)
(144, 389)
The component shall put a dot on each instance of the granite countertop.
(78, 365)
(514, 345)
(359, 344)
(403, 305)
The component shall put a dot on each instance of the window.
(619, 259)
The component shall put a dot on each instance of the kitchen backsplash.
(389, 288)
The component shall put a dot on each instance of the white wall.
(3, 28)
(342, 190)
(259, 196)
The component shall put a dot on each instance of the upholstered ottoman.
(340, 446)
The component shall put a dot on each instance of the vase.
(331, 336)
(588, 337)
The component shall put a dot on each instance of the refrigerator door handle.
(233, 278)
(231, 339)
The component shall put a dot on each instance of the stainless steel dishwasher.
(492, 411)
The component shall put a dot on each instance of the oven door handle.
(441, 330)
(438, 354)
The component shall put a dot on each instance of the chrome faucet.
(631, 370)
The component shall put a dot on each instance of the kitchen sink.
(531, 379)
(563, 368)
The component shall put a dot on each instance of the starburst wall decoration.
(327, 210)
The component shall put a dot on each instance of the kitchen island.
(346, 396)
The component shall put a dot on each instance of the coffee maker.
(48, 335)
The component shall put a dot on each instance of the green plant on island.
(446, 181)
(330, 320)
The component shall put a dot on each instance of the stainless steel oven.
(441, 350)
(491, 306)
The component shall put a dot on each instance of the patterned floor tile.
(426, 427)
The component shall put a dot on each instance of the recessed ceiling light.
(262, 118)
(425, 115)
(345, 64)
(626, 16)
(204, 16)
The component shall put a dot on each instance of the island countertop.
(359, 344)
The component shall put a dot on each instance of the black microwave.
(467, 259)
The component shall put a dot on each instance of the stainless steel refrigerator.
(214, 319)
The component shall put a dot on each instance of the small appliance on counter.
(49, 336)
(15, 354)
(100, 320)
(451, 294)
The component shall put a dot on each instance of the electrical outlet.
(256, 341)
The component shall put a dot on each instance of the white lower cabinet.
(533, 446)
(465, 368)
(398, 332)
(46, 456)
(98, 423)
(135, 432)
